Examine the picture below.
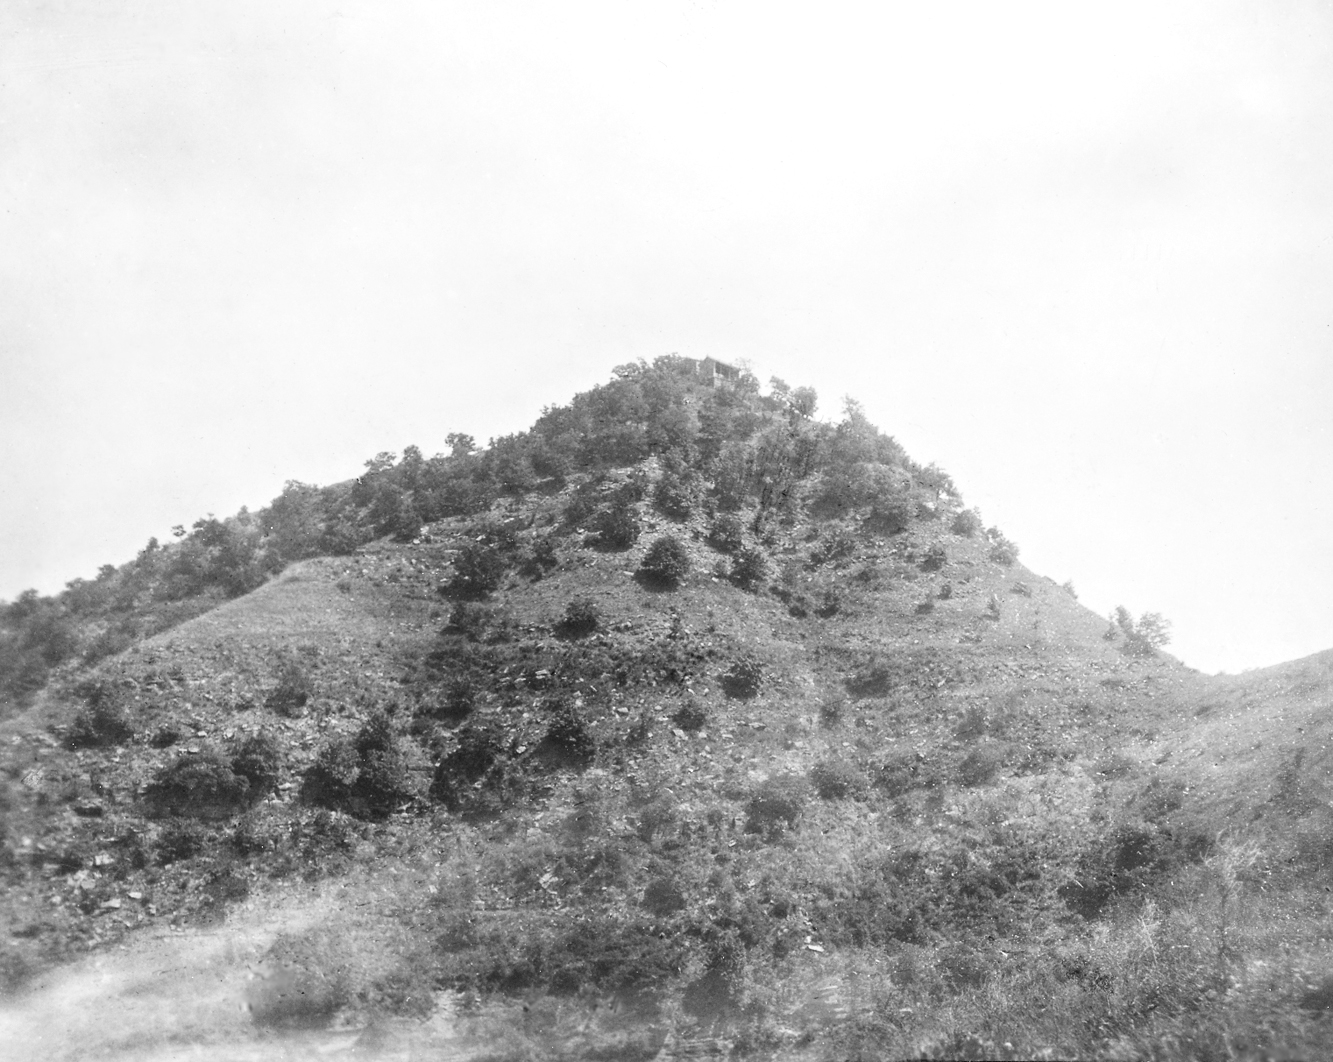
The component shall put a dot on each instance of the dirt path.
(166, 996)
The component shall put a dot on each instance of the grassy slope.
(1083, 739)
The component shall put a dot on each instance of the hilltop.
(683, 723)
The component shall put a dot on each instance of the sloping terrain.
(828, 775)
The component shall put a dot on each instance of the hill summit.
(683, 724)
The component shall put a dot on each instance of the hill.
(682, 725)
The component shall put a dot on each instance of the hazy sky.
(1080, 255)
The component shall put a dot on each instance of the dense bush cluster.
(207, 785)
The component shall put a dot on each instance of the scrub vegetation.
(629, 733)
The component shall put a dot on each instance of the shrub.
(726, 533)
(677, 491)
(1124, 859)
(891, 515)
(568, 742)
(667, 561)
(367, 777)
(830, 603)
(181, 839)
(479, 569)
(837, 780)
(295, 687)
(776, 805)
(617, 527)
(840, 545)
(452, 705)
(832, 711)
(980, 765)
(934, 559)
(973, 724)
(582, 617)
(201, 786)
(258, 759)
(479, 753)
(663, 897)
(541, 559)
(330, 778)
(102, 724)
(749, 568)
(967, 523)
(469, 620)
(1002, 550)
(742, 680)
(903, 772)
(690, 716)
(927, 669)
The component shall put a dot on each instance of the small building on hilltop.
(710, 370)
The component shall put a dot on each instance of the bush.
(726, 533)
(743, 678)
(582, 617)
(202, 787)
(617, 527)
(837, 780)
(749, 568)
(967, 523)
(367, 777)
(479, 569)
(904, 772)
(102, 724)
(295, 687)
(258, 759)
(568, 742)
(677, 492)
(891, 515)
(182, 839)
(667, 561)
(690, 716)
(832, 711)
(830, 603)
(980, 765)
(1002, 550)
(454, 705)
(776, 805)
(469, 620)
(541, 559)
(1126, 858)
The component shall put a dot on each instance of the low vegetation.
(631, 731)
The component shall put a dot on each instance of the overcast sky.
(1080, 255)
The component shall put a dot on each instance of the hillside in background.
(681, 725)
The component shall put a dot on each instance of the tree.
(460, 445)
(1143, 637)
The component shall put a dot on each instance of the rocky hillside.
(683, 725)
